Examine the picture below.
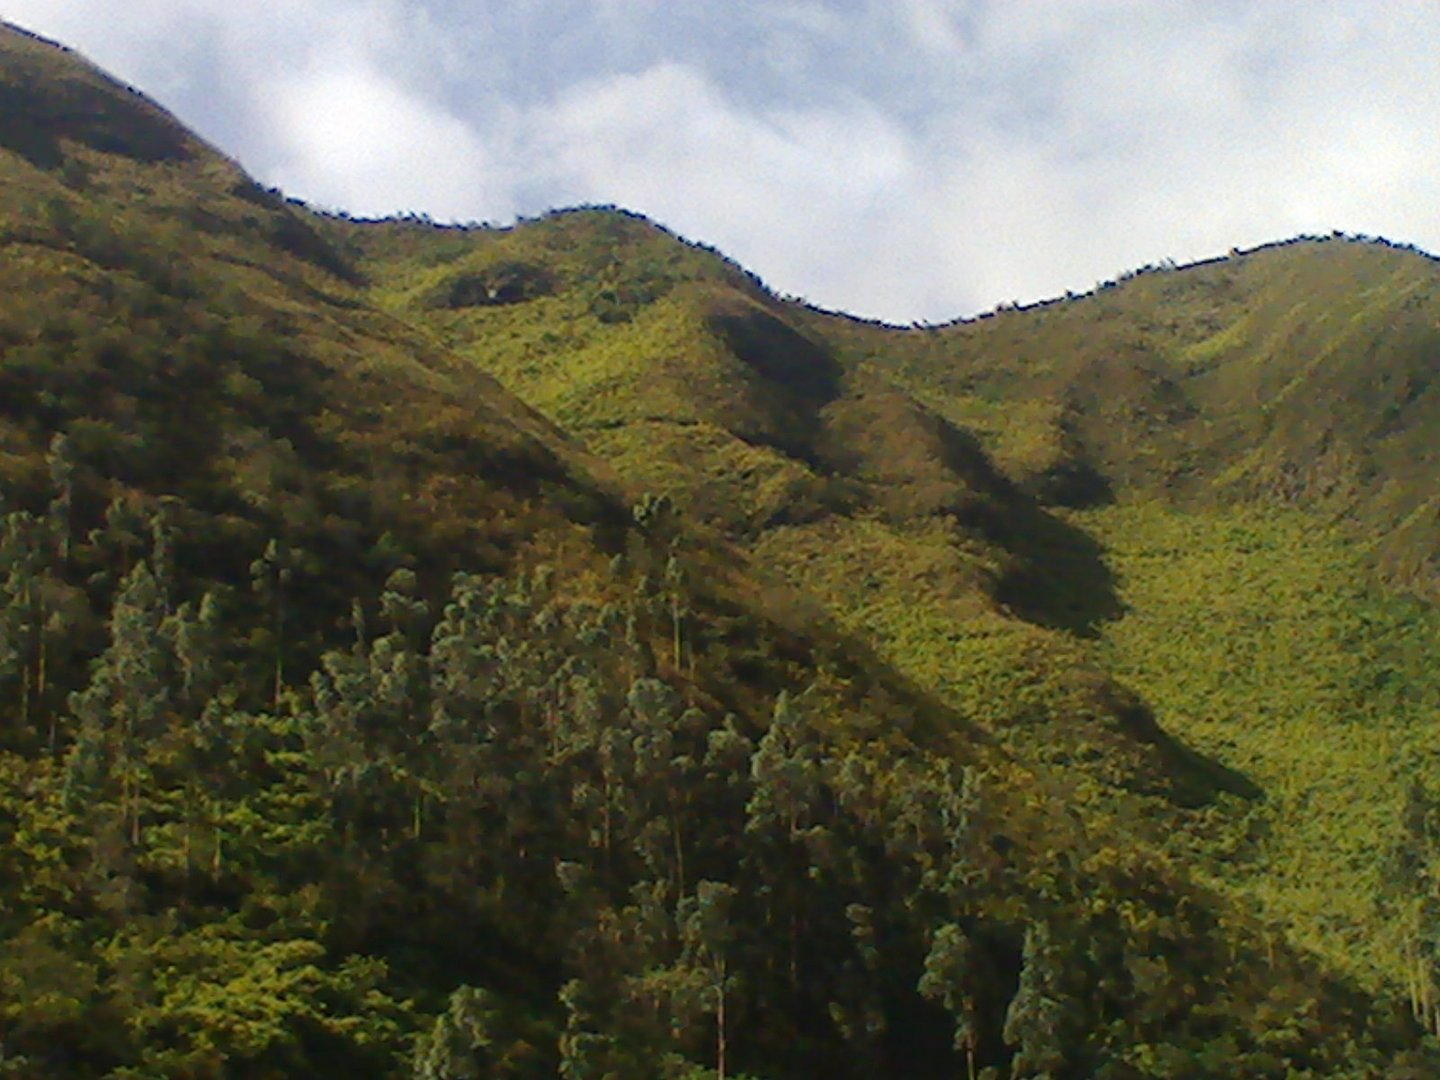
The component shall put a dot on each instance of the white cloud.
(915, 159)
(335, 100)
(931, 25)
(791, 192)
(128, 47)
(350, 137)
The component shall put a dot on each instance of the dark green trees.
(498, 833)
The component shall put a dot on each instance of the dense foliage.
(501, 833)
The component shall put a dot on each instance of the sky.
(911, 160)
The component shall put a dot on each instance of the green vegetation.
(438, 652)
(917, 489)
(1259, 639)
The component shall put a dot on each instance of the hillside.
(517, 652)
(923, 485)
(1299, 374)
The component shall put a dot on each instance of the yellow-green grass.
(1260, 639)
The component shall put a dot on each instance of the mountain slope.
(716, 394)
(921, 492)
(358, 718)
(1298, 373)
(1264, 428)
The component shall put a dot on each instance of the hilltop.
(435, 652)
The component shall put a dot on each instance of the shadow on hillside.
(1059, 579)
(1194, 779)
(21, 134)
(1202, 777)
(925, 465)
(780, 354)
(35, 118)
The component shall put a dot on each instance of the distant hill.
(448, 652)
(1299, 374)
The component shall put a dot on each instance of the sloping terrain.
(1297, 374)
(715, 394)
(1258, 437)
(435, 652)
(923, 486)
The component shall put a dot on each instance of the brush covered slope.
(1114, 531)
(1251, 441)
(707, 389)
(360, 719)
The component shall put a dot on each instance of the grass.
(1261, 639)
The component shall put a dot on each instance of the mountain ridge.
(1036, 442)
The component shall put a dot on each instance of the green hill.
(925, 493)
(921, 487)
(1298, 374)
(445, 652)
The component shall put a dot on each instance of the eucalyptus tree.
(127, 700)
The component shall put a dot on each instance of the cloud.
(350, 137)
(791, 192)
(1115, 134)
(911, 159)
(335, 100)
(931, 25)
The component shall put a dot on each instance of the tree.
(948, 979)
(196, 635)
(660, 785)
(122, 536)
(785, 772)
(675, 585)
(129, 690)
(587, 1050)
(857, 990)
(654, 513)
(270, 577)
(1033, 1021)
(458, 1045)
(61, 462)
(706, 935)
(786, 784)
(38, 612)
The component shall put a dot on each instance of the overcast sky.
(910, 159)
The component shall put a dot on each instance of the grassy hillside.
(728, 402)
(435, 652)
(1259, 640)
(1296, 374)
(913, 483)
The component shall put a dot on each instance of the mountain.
(447, 652)
(1069, 522)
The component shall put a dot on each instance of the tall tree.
(707, 933)
(1034, 1019)
(270, 577)
(458, 1045)
(949, 979)
(129, 690)
(61, 461)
